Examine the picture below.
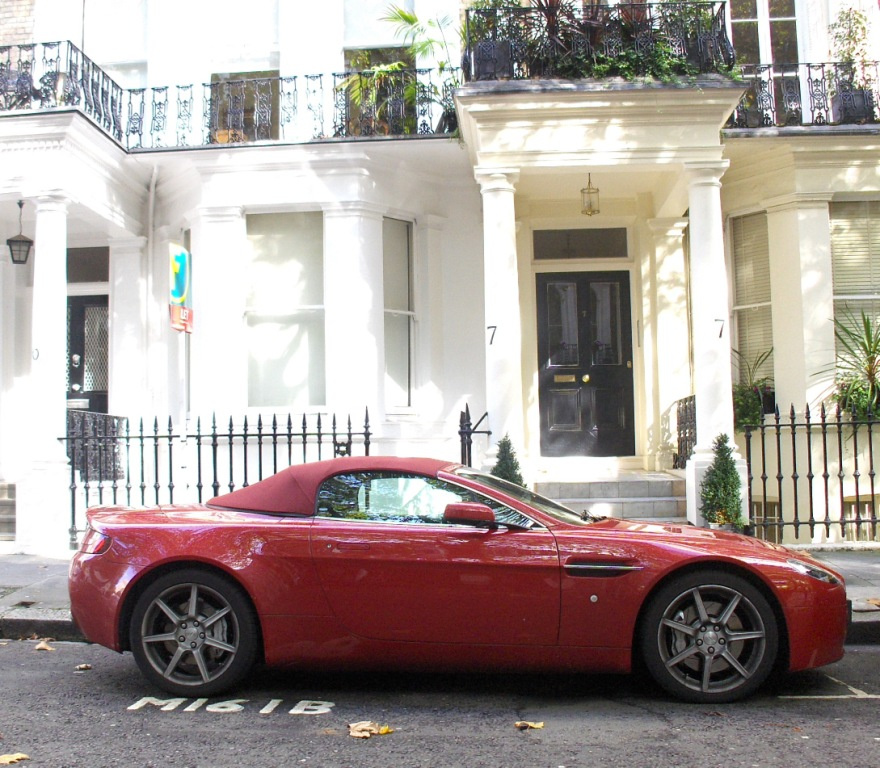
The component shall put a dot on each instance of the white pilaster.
(219, 353)
(671, 355)
(802, 301)
(43, 500)
(504, 392)
(128, 328)
(354, 310)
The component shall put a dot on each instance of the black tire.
(194, 633)
(709, 637)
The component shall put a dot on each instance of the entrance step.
(7, 512)
(631, 494)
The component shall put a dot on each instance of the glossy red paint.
(541, 590)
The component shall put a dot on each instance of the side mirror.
(468, 513)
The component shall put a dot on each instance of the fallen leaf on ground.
(82, 667)
(874, 601)
(10, 759)
(525, 725)
(43, 645)
(367, 728)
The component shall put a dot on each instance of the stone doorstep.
(667, 508)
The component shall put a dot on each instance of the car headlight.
(814, 572)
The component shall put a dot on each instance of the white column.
(504, 391)
(710, 326)
(128, 328)
(668, 337)
(43, 503)
(802, 300)
(354, 306)
(219, 353)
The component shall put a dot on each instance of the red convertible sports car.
(419, 564)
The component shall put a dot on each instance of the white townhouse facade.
(347, 254)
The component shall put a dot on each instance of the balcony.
(374, 104)
(672, 43)
(662, 41)
(788, 96)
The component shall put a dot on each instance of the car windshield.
(545, 505)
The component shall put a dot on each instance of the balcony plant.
(720, 488)
(852, 99)
(753, 394)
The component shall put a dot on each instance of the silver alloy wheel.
(190, 634)
(712, 639)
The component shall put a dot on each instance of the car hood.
(696, 540)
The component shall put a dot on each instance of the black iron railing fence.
(115, 462)
(814, 474)
(686, 425)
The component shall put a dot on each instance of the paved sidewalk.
(34, 601)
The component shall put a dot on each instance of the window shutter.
(751, 283)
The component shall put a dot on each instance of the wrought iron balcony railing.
(589, 40)
(384, 102)
(808, 95)
(369, 104)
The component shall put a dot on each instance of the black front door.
(87, 358)
(585, 383)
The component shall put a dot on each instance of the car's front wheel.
(194, 633)
(710, 637)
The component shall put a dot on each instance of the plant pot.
(768, 402)
(493, 60)
(448, 122)
(855, 106)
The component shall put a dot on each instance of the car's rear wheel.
(710, 637)
(194, 633)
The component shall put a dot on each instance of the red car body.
(327, 586)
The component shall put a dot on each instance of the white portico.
(654, 151)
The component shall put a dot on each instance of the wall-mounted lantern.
(19, 246)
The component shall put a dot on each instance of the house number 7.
(492, 328)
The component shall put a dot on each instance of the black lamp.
(19, 246)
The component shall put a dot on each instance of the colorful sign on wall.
(180, 280)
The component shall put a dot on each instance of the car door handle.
(343, 546)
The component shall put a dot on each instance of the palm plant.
(858, 363)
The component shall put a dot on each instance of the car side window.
(392, 497)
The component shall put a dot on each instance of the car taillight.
(95, 543)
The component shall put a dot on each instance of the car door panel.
(439, 583)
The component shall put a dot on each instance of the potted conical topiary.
(507, 466)
(720, 497)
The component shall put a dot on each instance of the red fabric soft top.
(292, 491)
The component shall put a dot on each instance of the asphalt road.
(106, 715)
